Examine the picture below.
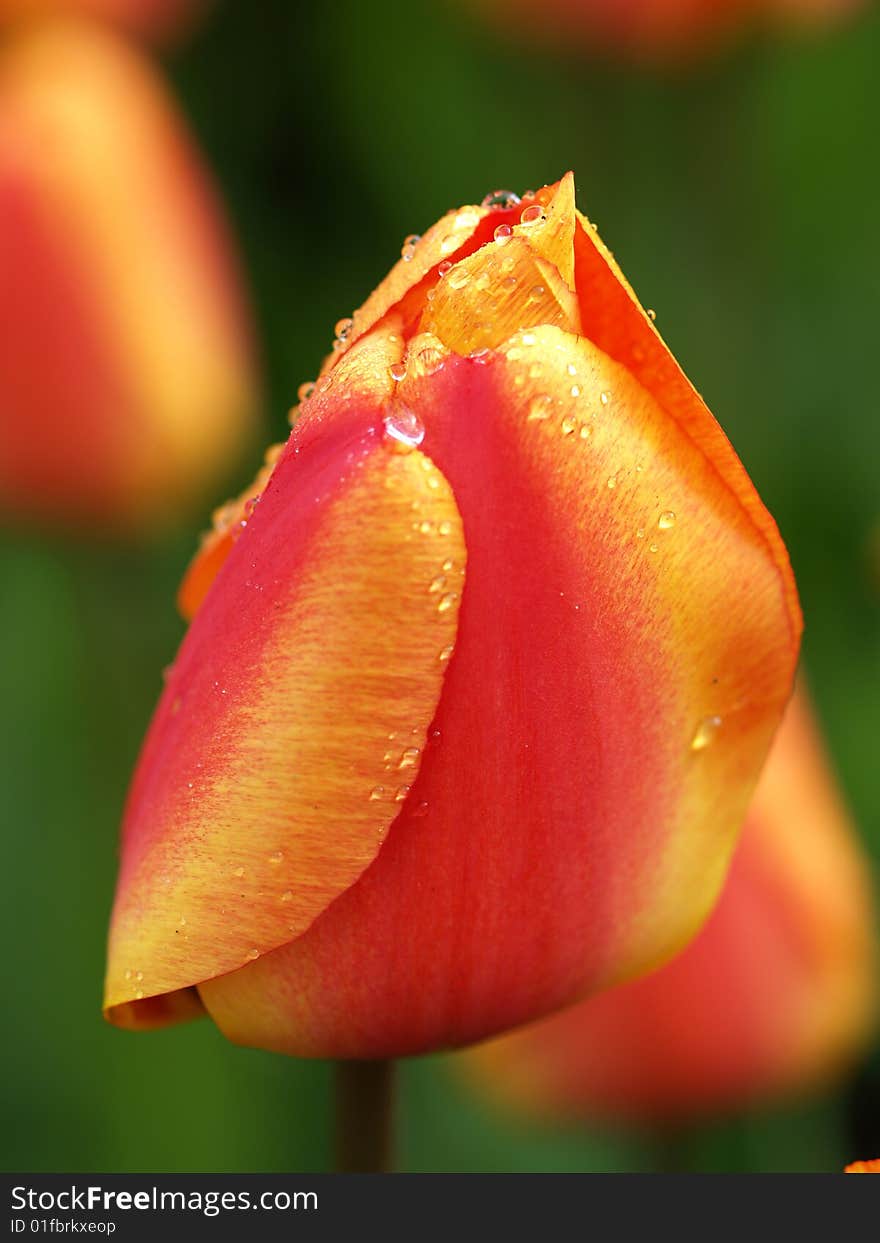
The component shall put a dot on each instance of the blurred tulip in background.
(478, 683)
(777, 995)
(126, 362)
(160, 20)
(659, 29)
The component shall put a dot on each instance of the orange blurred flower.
(126, 362)
(479, 679)
(864, 1167)
(777, 994)
(658, 28)
(159, 20)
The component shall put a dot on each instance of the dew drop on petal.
(287, 896)
(531, 214)
(252, 954)
(404, 427)
(458, 278)
(705, 732)
(377, 793)
(540, 408)
(409, 758)
(304, 392)
(666, 520)
(501, 198)
(408, 249)
(503, 234)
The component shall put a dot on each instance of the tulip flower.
(479, 680)
(158, 20)
(126, 363)
(660, 28)
(776, 995)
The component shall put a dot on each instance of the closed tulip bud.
(477, 689)
(660, 29)
(159, 20)
(776, 995)
(126, 362)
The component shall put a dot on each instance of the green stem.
(365, 1117)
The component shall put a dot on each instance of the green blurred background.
(741, 197)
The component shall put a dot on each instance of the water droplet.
(612, 482)
(540, 408)
(537, 292)
(420, 811)
(139, 994)
(238, 872)
(400, 793)
(605, 398)
(653, 548)
(287, 896)
(138, 975)
(129, 975)
(444, 528)
(445, 266)
(343, 329)
(252, 954)
(404, 427)
(503, 234)
(409, 758)
(377, 793)
(397, 371)
(569, 425)
(438, 584)
(429, 359)
(501, 198)
(181, 923)
(458, 278)
(585, 431)
(304, 392)
(705, 732)
(447, 602)
(276, 857)
(531, 214)
(509, 282)
(445, 654)
(408, 249)
(575, 390)
(666, 520)
(652, 315)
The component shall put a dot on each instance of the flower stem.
(364, 1117)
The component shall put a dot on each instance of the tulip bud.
(651, 29)
(477, 688)
(159, 20)
(776, 995)
(125, 356)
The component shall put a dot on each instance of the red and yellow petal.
(626, 648)
(294, 719)
(864, 1167)
(776, 994)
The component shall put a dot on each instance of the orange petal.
(294, 718)
(777, 994)
(864, 1167)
